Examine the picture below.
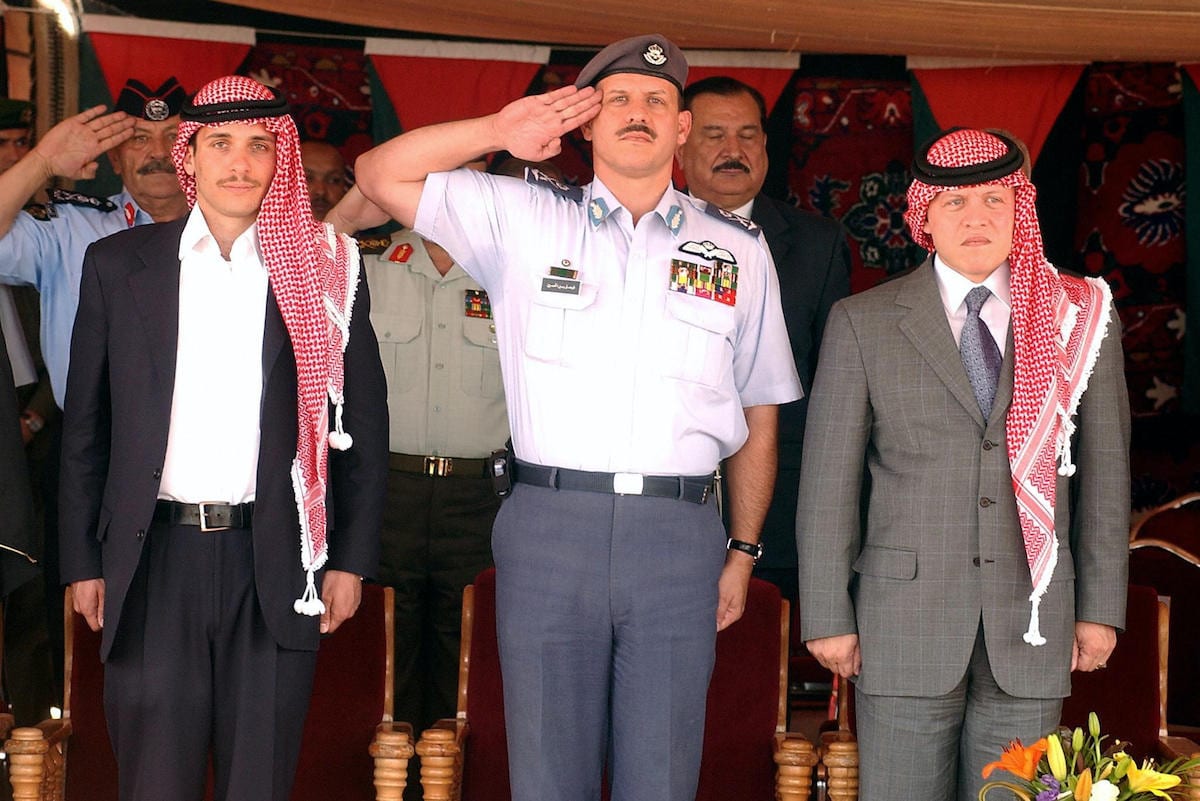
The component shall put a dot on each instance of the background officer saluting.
(641, 341)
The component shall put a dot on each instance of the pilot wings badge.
(708, 250)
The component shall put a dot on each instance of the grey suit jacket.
(907, 524)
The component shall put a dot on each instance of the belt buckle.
(628, 483)
(440, 466)
(204, 526)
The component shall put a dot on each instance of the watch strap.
(752, 549)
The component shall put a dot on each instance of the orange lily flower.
(1019, 760)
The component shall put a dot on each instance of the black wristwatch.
(752, 549)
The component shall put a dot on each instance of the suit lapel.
(775, 228)
(274, 335)
(927, 328)
(154, 288)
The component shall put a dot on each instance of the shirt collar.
(196, 238)
(954, 286)
(602, 204)
(134, 214)
(744, 211)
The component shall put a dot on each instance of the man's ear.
(113, 160)
(189, 160)
(586, 130)
(685, 128)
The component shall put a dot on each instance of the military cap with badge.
(139, 100)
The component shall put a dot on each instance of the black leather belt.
(208, 516)
(441, 466)
(693, 489)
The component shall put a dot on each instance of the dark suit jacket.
(118, 411)
(16, 496)
(813, 263)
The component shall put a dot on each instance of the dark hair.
(725, 86)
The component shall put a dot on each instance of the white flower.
(1104, 790)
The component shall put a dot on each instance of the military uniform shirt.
(621, 349)
(48, 254)
(438, 344)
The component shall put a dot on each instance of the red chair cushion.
(743, 704)
(485, 767)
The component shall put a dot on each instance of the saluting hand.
(70, 149)
(531, 127)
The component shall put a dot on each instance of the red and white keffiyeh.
(313, 274)
(1058, 324)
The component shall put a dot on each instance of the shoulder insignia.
(713, 210)
(373, 245)
(401, 253)
(79, 199)
(40, 211)
(535, 177)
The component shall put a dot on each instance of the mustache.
(732, 164)
(235, 179)
(637, 127)
(156, 166)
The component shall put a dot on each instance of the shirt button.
(985, 502)
(439, 366)
(441, 325)
(437, 408)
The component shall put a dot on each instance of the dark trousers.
(194, 671)
(437, 535)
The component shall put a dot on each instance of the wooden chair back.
(1175, 572)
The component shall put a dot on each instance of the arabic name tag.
(561, 286)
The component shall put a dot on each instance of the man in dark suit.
(725, 162)
(205, 357)
(17, 565)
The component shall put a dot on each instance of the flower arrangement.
(1075, 766)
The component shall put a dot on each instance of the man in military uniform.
(29, 686)
(437, 340)
(44, 246)
(613, 573)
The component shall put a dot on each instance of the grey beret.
(650, 54)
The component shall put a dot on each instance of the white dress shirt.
(212, 446)
(996, 310)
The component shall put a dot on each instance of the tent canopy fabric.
(1039, 30)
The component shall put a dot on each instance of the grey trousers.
(934, 749)
(606, 619)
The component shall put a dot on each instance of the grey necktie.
(979, 353)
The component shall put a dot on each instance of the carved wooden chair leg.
(26, 763)
(841, 761)
(392, 751)
(794, 760)
(440, 765)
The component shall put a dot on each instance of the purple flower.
(1047, 795)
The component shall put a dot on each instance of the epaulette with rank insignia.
(373, 245)
(535, 177)
(79, 199)
(713, 210)
(43, 212)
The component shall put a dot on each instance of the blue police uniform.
(46, 251)
(628, 354)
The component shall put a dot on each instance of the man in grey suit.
(964, 502)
